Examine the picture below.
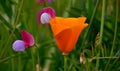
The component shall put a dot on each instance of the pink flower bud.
(27, 38)
(47, 11)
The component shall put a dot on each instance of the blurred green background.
(98, 45)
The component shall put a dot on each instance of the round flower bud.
(45, 18)
(18, 45)
(45, 14)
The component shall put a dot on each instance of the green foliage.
(97, 53)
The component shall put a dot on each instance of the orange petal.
(66, 31)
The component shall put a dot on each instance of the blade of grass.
(38, 66)
(14, 27)
(13, 64)
(101, 32)
(19, 62)
(115, 32)
(102, 22)
(91, 20)
(33, 60)
(8, 58)
(6, 8)
(5, 22)
(97, 61)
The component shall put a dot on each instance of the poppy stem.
(65, 62)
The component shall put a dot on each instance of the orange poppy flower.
(66, 32)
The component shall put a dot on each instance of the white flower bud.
(45, 18)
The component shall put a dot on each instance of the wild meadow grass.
(97, 48)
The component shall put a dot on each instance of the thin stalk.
(114, 39)
(93, 14)
(91, 20)
(65, 62)
(38, 62)
(8, 58)
(13, 66)
(92, 51)
(102, 22)
(102, 51)
(12, 60)
(38, 67)
(104, 58)
(88, 66)
(115, 31)
(33, 60)
(14, 27)
(114, 62)
(97, 63)
(19, 62)
(101, 31)
(73, 63)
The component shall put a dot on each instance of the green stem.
(87, 66)
(13, 66)
(102, 21)
(97, 63)
(101, 31)
(91, 20)
(19, 62)
(38, 61)
(33, 60)
(38, 68)
(104, 58)
(65, 62)
(116, 19)
(93, 14)
(14, 27)
(8, 58)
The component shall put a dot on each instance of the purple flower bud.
(18, 45)
(45, 18)
(50, 11)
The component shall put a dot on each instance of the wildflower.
(26, 42)
(45, 15)
(27, 38)
(19, 45)
(47, 1)
(45, 18)
(66, 32)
